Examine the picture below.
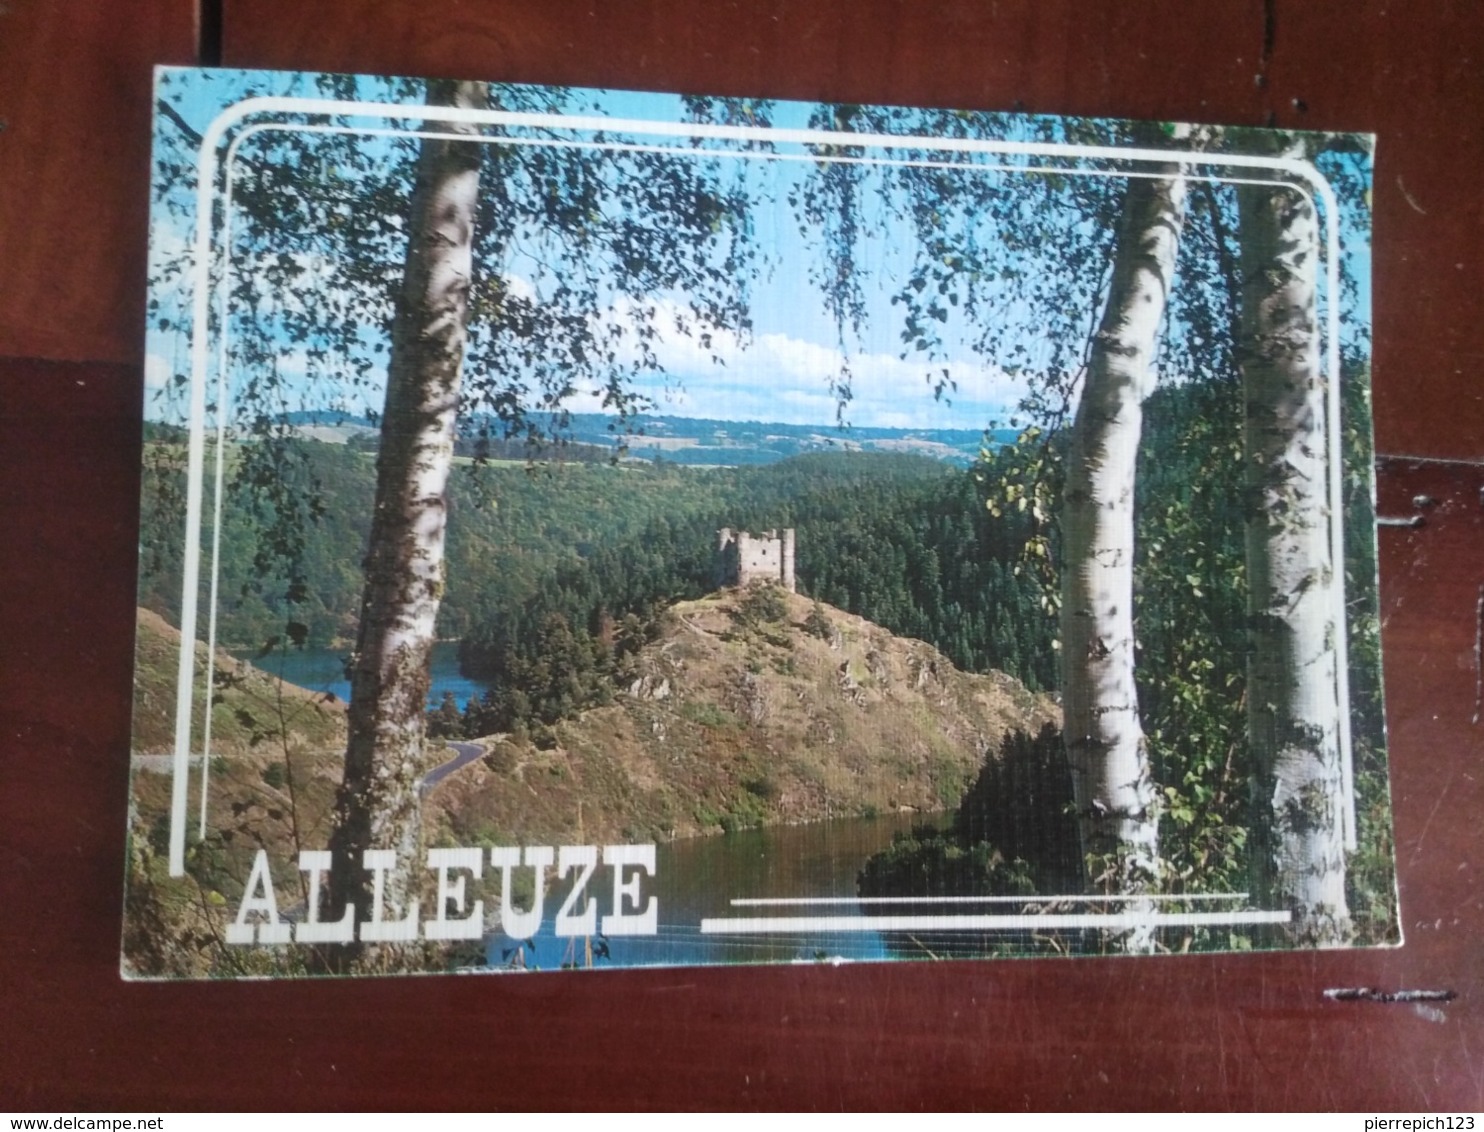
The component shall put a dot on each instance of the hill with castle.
(754, 705)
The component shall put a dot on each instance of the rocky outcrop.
(753, 707)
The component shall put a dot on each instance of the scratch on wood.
(1371, 994)
(1398, 521)
(1269, 35)
(1410, 198)
(209, 32)
(1478, 655)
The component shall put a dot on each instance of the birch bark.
(377, 806)
(1292, 694)
(1113, 787)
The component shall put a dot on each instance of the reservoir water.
(323, 670)
(699, 878)
(695, 878)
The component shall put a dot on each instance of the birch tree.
(500, 301)
(1090, 332)
(1106, 749)
(1292, 692)
(377, 805)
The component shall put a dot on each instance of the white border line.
(1111, 921)
(207, 167)
(1080, 898)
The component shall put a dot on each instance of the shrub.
(764, 603)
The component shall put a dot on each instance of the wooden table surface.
(1238, 1031)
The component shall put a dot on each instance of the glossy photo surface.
(589, 529)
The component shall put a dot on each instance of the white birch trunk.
(377, 807)
(1292, 694)
(1116, 811)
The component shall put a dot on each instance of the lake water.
(323, 670)
(695, 878)
(698, 878)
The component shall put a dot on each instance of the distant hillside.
(697, 441)
(679, 440)
(750, 708)
(512, 528)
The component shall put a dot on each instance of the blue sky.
(782, 373)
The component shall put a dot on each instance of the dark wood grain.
(1213, 1031)
(75, 83)
(1413, 74)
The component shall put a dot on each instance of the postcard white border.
(208, 165)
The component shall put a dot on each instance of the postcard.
(586, 529)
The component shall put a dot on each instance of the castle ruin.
(742, 558)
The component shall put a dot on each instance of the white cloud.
(157, 372)
(519, 286)
(777, 377)
(799, 359)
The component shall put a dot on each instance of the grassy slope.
(276, 756)
(250, 707)
(727, 721)
(730, 722)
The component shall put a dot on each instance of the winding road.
(464, 754)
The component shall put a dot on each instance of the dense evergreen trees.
(899, 540)
(1014, 832)
(551, 589)
(511, 524)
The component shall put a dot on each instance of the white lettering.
(570, 858)
(521, 925)
(377, 929)
(270, 930)
(645, 920)
(311, 929)
(457, 916)
(465, 927)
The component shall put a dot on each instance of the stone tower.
(742, 558)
